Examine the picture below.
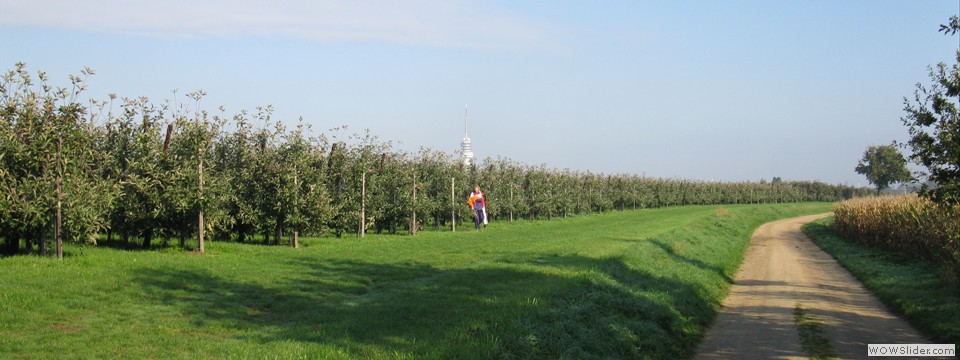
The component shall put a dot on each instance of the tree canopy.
(883, 165)
(933, 121)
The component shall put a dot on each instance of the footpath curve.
(781, 269)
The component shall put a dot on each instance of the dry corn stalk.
(905, 223)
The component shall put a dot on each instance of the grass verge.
(635, 284)
(914, 288)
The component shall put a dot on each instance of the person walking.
(479, 206)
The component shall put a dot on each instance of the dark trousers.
(479, 219)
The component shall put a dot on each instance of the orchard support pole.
(296, 203)
(512, 204)
(413, 221)
(58, 227)
(453, 206)
(363, 202)
(200, 216)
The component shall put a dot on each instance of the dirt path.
(783, 268)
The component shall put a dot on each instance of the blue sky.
(709, 90)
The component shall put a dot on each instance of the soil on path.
(783, 268)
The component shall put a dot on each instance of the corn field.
(906, 223)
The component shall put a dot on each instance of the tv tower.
(466, 147)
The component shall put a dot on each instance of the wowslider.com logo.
(911, 350)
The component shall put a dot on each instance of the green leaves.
(952, 26)
(35, 117)
(933, 122)
(883, 165)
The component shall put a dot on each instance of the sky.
(706, 90)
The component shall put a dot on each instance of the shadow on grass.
(619, 312)
(373, 310)
(669, 250)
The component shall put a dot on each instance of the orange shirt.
(474, 197)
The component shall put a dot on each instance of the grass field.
(635, 284)
(917, 289)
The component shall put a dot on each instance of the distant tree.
(933, 120)
(883, 165)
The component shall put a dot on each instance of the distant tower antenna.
(466, 147)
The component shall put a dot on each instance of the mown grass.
(917, 289)
(637, 284)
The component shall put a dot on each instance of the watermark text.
(911, 350)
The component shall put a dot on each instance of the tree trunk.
(296, 239)
(12, 244)
(42, 241)
(29, 239)
(147, 238)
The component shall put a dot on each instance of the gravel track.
(783, 268)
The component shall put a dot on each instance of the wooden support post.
(363, 203)
(200, 216)
(58, 227)
(296, 203)
(512, 204)
(413, 221)
(453, 206)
